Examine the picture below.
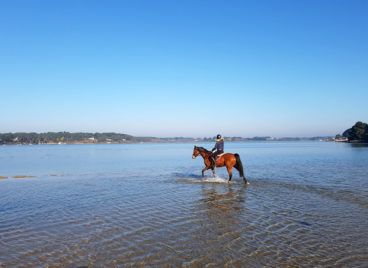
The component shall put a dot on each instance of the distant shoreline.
(182, 142)
(118, 138)
(156, 142)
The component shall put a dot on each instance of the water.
(147, 205)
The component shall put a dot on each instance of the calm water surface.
(146, 205)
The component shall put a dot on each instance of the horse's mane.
(202, 149)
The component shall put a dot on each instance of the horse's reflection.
(218, 217)
(223, 199)
(221, 206)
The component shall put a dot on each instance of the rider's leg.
(213, 158)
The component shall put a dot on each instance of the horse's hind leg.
(241, 173)
(230, 172)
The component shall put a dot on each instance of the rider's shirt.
(219, 146)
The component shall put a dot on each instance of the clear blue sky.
(184, 68)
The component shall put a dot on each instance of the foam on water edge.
(203, 180)
(215, 180)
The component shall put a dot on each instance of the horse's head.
(195, 152)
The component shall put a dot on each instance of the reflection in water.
(219, 223)
(222, 202)
(359, 145)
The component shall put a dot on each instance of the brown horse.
(227, 159)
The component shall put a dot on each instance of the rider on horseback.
(218, 149)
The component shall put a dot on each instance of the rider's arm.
(216, 147)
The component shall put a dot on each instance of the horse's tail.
(239, 167)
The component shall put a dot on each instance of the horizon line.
(169, 137)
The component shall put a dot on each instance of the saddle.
(217, 157)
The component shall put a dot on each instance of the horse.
(227, 159)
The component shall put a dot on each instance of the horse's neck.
(204, 154)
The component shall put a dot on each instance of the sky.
(184, 68)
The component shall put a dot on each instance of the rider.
(218, 149)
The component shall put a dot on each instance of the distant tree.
(55, 137)
(358, 132)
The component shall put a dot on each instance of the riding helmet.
(218, 136)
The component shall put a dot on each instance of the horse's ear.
(195, 146)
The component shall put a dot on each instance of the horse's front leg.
(214, 172)
(203, 170)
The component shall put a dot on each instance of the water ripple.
(172, 216)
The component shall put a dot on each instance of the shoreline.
(159, 142)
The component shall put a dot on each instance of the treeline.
(111, 137)
(357, 133)
(67, 137)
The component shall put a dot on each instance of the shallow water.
(147, 205)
